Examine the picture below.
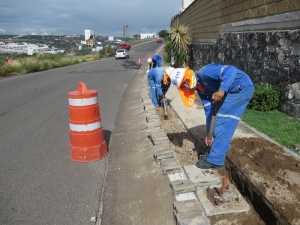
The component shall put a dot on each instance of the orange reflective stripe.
(200, 88)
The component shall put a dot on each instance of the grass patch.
(39, 62)
(279, 126)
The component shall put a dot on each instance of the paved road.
(40, 184)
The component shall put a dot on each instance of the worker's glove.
(160, 97)
(208, 141)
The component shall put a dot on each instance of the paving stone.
(151, 113)
(152, 118)
(177, 176)
(161, 147)
(156, 139)
(159, 134)
(202, 177)
(231, 207)
(186, 196)
(190, 212)
(147, 100)
(189, 205)
(171, 165)
(163, 154)
(185, 215)
(154, 124)
(182, 186)
(199, 220)
(162, 142)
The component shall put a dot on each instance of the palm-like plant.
(180, 41)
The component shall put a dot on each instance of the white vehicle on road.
(122, 53)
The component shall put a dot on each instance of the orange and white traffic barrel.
(86, 134)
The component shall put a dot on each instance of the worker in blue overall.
(233, 88)
(159, 84)
(154, 61)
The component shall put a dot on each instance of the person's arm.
(207, 109)
(227, 76)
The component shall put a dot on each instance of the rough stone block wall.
(261, 37)
(271, 57)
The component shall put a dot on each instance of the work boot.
(203, 164)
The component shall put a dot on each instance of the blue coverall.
(157, 88)
(239, 90)
(156, 61)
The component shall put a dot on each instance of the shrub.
(30, 65)
(107, 52)
(168, 47)
(45, 65)
(264, 98)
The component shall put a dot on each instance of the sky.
(104, 17)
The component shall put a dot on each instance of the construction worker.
(232, 88)
(185, 81)
(159, 84)
(154, 61)
(183, 78)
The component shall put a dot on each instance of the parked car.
(158, 40)
(113, 45)
(122, 53)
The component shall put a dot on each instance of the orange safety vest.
(184, 76)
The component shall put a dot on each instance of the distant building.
(18, 48)
(126, 31)
(148, 35)
(88, 34)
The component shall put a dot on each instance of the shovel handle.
(213, 118)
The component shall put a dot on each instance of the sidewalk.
(189, 183)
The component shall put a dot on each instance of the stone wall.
(268, 57)
(261, 37)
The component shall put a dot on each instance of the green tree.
(136, 36)
(163, 34)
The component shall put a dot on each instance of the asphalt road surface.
(39, 183)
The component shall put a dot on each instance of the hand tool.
(165, 107)
(217, 105)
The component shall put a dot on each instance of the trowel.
(165, 107)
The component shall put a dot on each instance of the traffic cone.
(139, 63)
(86, 134)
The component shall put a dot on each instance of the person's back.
(155, 77)
(157, 74)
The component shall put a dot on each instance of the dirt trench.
(267, 177)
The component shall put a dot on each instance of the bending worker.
(154, 61)
(183, 78)
(222, 83)
(159, 84)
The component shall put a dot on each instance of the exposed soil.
(274, 173)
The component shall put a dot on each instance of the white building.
(148, 35)
(23, 47)
(185, 4)
(88, 34)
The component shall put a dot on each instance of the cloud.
(105, 17)
(2, 30)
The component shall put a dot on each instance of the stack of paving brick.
(188, 183)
